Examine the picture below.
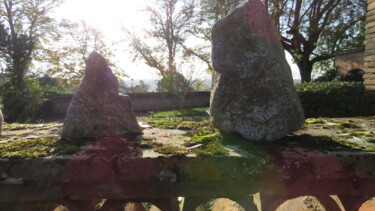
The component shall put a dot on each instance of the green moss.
(164, 124)
(211, 139)
(348, 125)
(177, 119)
(314, 121)
(37, 147)
(212, 148)
(206, 139)
(204, 129)
(19, 126)
(236, 140)
(14, 126)
(50, 127)
(149, 144)
(369, 148)
(147, 206)
(171, 150)
(191, 142)
(370, 140)
(67, 148)
(183, 125)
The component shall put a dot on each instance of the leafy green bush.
(333, 75)
(22, 105)
(353, 76)
(330, 75)
(333, 99)
(57, 90)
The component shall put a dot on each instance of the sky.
(109, 16)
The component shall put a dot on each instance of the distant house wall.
(57, 104)
(349, 60)
(370, 53)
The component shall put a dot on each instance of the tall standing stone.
(97, 109)
(254, 94)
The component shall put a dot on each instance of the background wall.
(57, 104)
(349, 60)
(370, 53)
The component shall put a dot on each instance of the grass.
(191, 112)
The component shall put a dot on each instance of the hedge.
(334, 75)
(333, 99)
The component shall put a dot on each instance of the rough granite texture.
(1, 122)
(254, 94)
(97, 109)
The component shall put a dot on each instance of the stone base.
(115, 170)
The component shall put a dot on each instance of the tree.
(313, 31)
(66, 59)
(210, 11)
(207, 13)
(141, 87)
(171, 20)
(3, 44)
(169, 27)
(172, 23)
(25, 25)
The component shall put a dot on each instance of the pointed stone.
(97, 109)
(254, 94)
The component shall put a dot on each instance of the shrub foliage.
(333, 99)
(334, 75)
(22, 105)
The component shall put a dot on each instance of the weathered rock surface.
(97, 109)
(1, 122)
(254, 94)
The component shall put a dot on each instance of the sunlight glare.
(108, 16)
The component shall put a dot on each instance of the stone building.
(370, 52)
(347, 61)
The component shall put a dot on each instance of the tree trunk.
(305, 73)
(305, 68)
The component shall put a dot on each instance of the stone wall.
(370, 53)
(349, 60)
(113, 173)
(57, 104)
